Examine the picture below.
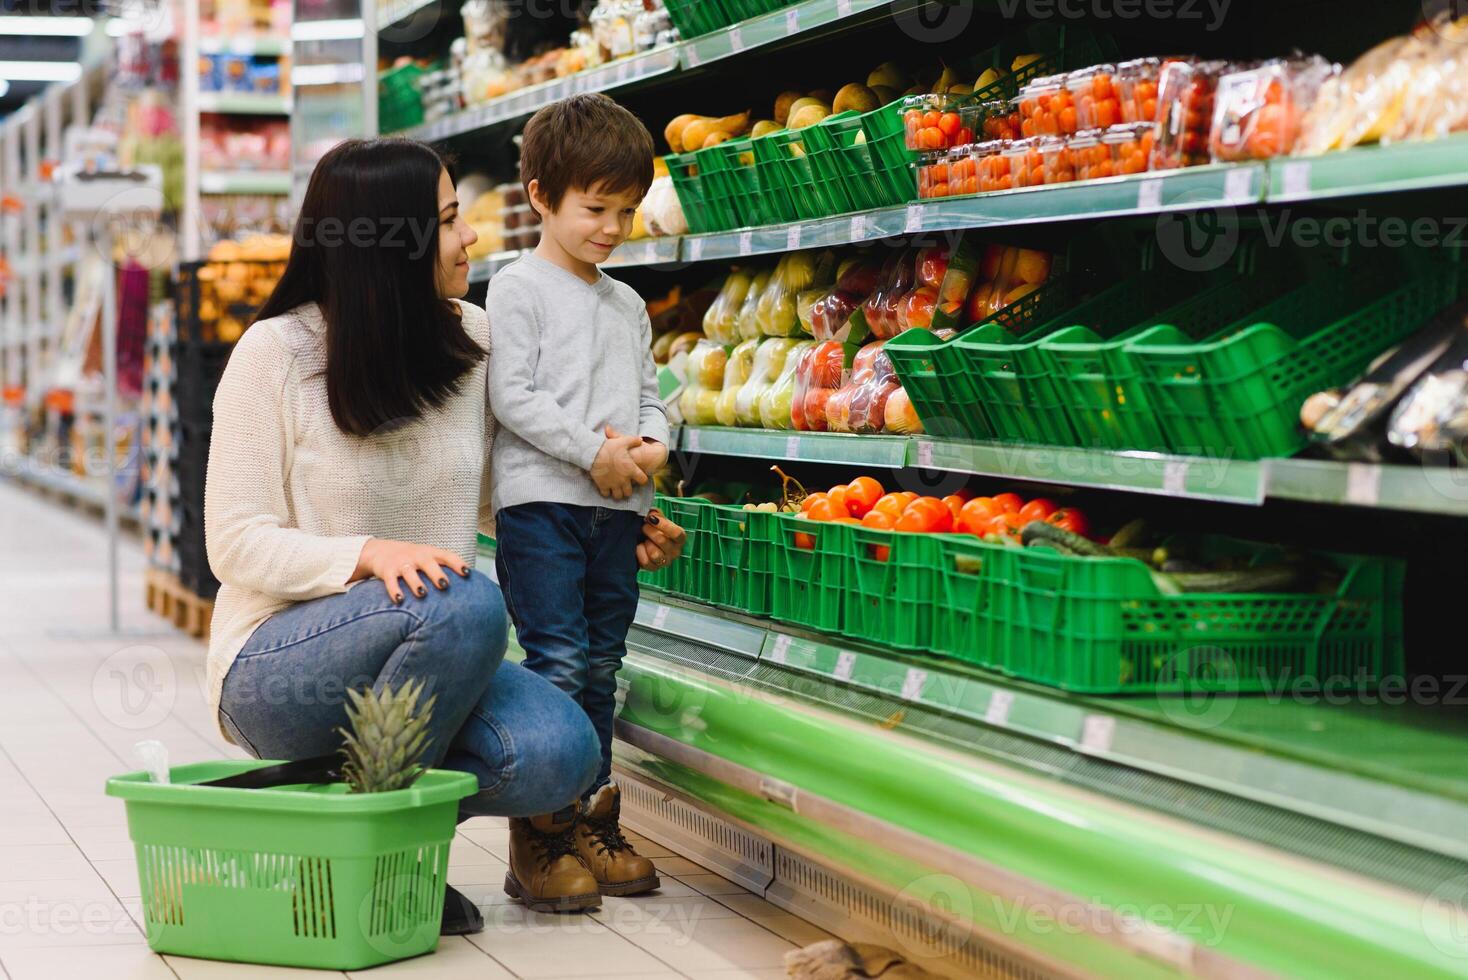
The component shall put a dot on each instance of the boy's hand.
(614, 471)
(650, 456)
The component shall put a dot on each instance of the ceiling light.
(38, 25)
(40, 71)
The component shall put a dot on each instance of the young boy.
(574, 390)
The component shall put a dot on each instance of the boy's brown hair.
(583, 141)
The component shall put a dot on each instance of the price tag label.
(858, 227)
(912, 684)
(1175, 477)
(914, 220)
(746, 242)
(660, 617)
(736, 38)
(792, 20)
(695, 249)
(997, 713)
(781, 652)
(925, 453)
(792, 238)
(1238, 186)
(1097, 732)
(843, 8)
(1363, 484)
(1297, 179)
(792, 447)
(1149, 194)
(692, 440)
(694, 58)
(844, 665)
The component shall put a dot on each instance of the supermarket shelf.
(643, 251)
(245, 182)
(524, 102)
(45, 477)
(776, 26)
(245, 103)
(262, 46)
(1175, 738)
(1434, 490)
(482, 270)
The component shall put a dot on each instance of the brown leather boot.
(619, 870)
(545, 872)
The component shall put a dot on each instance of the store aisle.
(71, 709)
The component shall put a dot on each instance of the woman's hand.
(394, 560)
(664, 542)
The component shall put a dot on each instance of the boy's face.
(590, 223)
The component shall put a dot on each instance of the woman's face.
(454, 238)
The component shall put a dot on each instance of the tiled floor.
(71, 707)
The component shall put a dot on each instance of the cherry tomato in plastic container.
(1055, 154)
(1136, 83)
(1257, 113)
(1131, 147)
(1097, 99)
(1185, 112)
(933, 122)
(1025, 163)
(1091, 156)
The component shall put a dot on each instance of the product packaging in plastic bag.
(952, 272)
(777, 313)
(736, 374)
(883, 308)
(901, 418)
(721, 322)
(776, 403)
(703, 379)
(1431, 420)
(819, 373)
(1257, 112)
(749, 309)
(1436, 103)
(769, 361)
(838, 314)
(860, 404)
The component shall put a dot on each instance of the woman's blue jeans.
(528, 743)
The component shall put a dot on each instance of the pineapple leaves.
(389, 733)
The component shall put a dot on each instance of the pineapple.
(387, 738)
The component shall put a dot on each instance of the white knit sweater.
(290, 500)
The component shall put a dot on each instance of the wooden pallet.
(168, 598)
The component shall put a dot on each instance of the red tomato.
(804, 541)
(975, 516)
(892, 505)
(932, 117)
(907, 497)
(964, 494)
(825, 510)
(862, 495)
(1008, 503)
(1007, 525)
(926, 515)
(879, 520)
(950, 124)
(955, 505)
(1071, 520)
(1038, 509)
(837, 496)
(810, 501)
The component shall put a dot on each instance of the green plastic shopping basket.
(306, 875)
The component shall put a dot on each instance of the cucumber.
(1261, 578)
(1039, 532)
(1133, 534)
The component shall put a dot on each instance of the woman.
(348, 446)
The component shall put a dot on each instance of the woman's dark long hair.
(365, 250)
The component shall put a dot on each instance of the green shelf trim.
(771, 28)
(1291, 917)
(811, 447)
(245, 182)
(1424, 489)
(1371, 170)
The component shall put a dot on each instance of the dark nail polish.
(464, 571)
(421, 592)
(652, 518)
(397, 600)
(443, 583)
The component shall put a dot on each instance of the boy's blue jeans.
(569, 576)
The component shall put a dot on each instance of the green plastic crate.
(745, 9)
(669, 578)
(1238, 395)
(695, 17)
(738, 183)
(893, 165)
(307, 875)
(1101, 626)
(759, 561)
(697, 578)
(706, 205)
(963, 627)
(807, 586)
(892, 581)
(728, 556)
(787, 171)
(843, 164)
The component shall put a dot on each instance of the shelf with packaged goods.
(639, 252)
(1371, 170)
(44, 476)
(522, 103)
(1431, 490)
(245, 103)
(778, 25)
(245, 182)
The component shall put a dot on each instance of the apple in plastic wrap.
(869, 405)
(721, 320)
(776, 404)
(814, 408)
(827, 364)
(748, 310)
(838, 410)
(711, 367)
(899, 415)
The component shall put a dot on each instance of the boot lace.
(607, 834)
(552, 845)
